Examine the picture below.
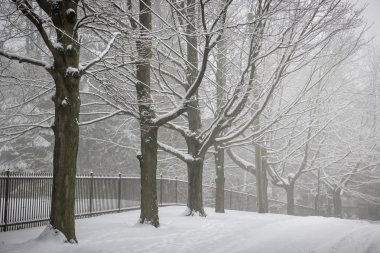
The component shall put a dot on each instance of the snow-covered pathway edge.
(234, 231)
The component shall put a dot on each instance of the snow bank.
(48, 240)
(49, 234)
(231, 232)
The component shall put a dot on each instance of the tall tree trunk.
(261, 175)
(290, 199)
(221, 81)
(66, 130)
(148, 167)
(317, 196)
(337, 200)
(219, 180)
(148, 131)
(195, 195)
(66, 133)
(195, 168)
(261, 180)
(316, 204)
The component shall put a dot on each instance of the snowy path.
(231, 232)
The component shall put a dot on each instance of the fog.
(259, 106)
(371, 14)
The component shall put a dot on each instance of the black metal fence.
(25, 198)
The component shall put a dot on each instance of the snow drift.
(233, 231)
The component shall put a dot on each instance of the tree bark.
(337, 200)
(221, 81)
(219, 180)
(316, 204)
(148, 167)
(317, 196)
(195, 168)
(148, 131)
(261, 181)
(261, 175)
(66, 130)
(195, 195)
(290, 199)
(66, 133)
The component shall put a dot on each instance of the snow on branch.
(85, 66)
(243, 164)
(22, 59)
(110, 115)
(175, 152)
(182, 130)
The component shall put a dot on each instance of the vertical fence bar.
(31, 193)
(91, 191)
(39, 196)
(104, 192)
(48, 192)
(15, 212)
(26, 199)
(82, 195)
(78, 194)
(231, 199)
(119, 193)
(5, 218)
(35, 194)
(161, 188)
(176, 190)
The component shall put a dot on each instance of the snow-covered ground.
(231, 232)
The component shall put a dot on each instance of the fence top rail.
(25, 175)
(7, 174)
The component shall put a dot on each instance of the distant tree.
(261, 128)
(199, 140)
(299, 41)
(350, 164)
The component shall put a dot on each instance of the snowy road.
(231, 232)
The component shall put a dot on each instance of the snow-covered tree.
(57, 24)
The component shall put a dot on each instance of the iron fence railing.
(25, 198)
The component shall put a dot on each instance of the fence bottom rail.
(25, 198)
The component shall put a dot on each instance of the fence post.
(5, 218)
(119, 193)
(176, 190)
(247, 202)
(231, 199)
(91, 191)
(161, 188)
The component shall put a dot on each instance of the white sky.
(372, 14)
